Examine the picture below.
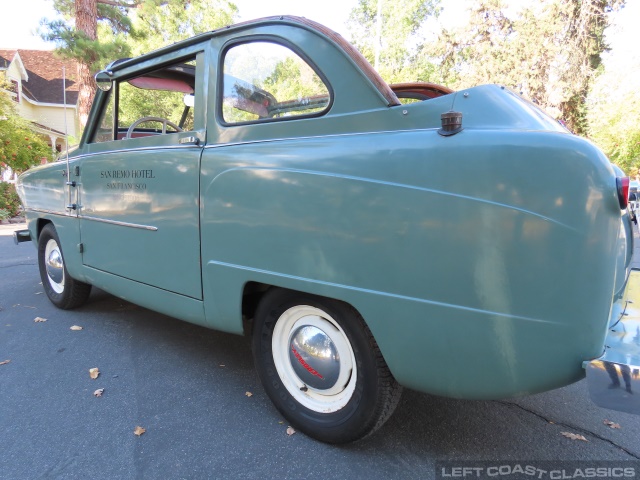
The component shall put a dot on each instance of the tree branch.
(115, 3)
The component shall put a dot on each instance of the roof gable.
(6, 57)
(12, 57)
(44, 73)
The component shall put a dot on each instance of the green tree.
(161, 22)
(399, 27)
(548, 51)
(77, 37)
(293, 79)
(20, 146)
(613, 114)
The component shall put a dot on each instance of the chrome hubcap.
(54, 265)
(314, 359)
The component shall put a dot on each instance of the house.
(35, 80)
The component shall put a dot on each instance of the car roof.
(334, 37)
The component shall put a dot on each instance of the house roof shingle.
(45, 75)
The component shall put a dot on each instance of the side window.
(161, 102)
(264, 80)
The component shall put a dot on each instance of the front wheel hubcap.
(314, 359)
(54, 266)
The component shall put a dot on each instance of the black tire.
(63, 291)
(360, 393)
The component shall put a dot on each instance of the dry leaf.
(574, 436)
(39, 319)
(5, 362)
(76, 327)
(290, 431)
(248, 394)
(139, 431)
(98, 392)
(611, 424)
(94, 372)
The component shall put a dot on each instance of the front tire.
(63, 291)
(321, 366)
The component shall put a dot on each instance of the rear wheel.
(321, 366)
(63, 291)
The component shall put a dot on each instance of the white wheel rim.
(54, 266)
(322, 400)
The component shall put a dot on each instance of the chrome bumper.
(614, 378)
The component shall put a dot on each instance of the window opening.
(264, 80)
(157, 103)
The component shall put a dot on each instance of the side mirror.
(104, 81)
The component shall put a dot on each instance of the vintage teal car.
(263, 179)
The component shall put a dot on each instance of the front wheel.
(63, 291)
(321, 366)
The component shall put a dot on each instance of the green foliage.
(160, 22)
(9, 200)
(291, 80)
(400, 35)
(20, 146)
(70, 43)
(136, 103)
(614, 114)
(547, 51)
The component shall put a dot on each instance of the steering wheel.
(164, 122)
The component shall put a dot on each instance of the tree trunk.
(87, 23)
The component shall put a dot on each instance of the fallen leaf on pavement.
(248, 394)
(39, 319)
(290, 431)
(94, 372)
(5, 362)
(98, 392)
(611, 424)
(139, 431)
(76, 327)
(574, 436)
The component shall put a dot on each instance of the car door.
(139, 205)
